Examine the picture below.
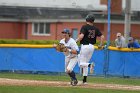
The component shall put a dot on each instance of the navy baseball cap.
(66, 31)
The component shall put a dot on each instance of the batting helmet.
(90, 18)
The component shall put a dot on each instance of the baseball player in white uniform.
(71, 56)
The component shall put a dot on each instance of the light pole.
(127, 28)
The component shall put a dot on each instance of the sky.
(86, 4)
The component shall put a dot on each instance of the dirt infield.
(19, 82)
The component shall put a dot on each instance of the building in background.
(45, 19)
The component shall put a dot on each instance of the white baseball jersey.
(71, 44)
(70, 59)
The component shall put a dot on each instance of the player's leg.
(67, 60)
(90, 52)
(85, 56)
(85, 74)
(70, 72)
(83, 61)
(67, 69)
(89, 57)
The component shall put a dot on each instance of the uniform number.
(91, 34)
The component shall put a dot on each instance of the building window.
(41, 29)
(74, 33)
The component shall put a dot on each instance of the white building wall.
(135, 5)
(85, 4)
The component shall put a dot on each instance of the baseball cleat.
(74, 82)
(85, 83)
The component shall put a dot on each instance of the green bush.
(21, 41)
(18, 41)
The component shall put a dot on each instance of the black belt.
(87, 44)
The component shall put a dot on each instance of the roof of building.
(37, 12)
(54, 13)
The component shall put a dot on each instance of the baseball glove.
(61, 48)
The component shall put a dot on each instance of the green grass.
(47, 89)
(91, 79)
(44, 89)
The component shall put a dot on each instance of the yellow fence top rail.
(124, 49)
(50, 46)
(25, 46)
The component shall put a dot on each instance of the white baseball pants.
(70, 63)
(85, 56)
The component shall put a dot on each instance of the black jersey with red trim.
(90, 34)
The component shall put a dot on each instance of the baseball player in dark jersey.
(87, 38)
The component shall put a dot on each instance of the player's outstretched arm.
(80, 37)
(101, 42)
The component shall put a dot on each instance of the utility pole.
(127, 27)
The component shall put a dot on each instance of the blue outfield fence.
(120, 63)
(124, 63)
(31, 59)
